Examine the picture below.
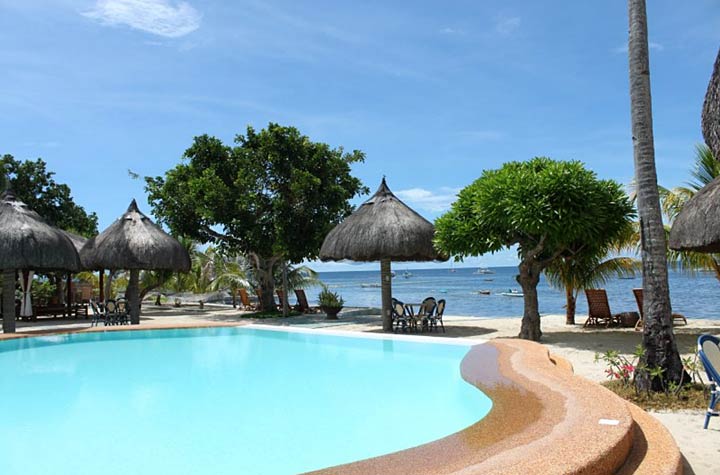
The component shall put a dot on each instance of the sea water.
(693, 295)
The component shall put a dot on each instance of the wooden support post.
(386, 286)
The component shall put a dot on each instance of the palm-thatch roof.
(134, 242)
(27, 242)
(711, 111)
(697, 226)
(381, 228)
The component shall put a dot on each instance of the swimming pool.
(224, 400)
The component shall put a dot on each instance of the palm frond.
(706, 167)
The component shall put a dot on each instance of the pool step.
(654, 451)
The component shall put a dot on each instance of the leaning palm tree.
(591, 266)
(658, 338)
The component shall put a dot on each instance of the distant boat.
(370, 285)
(512, 293)
(483, 292)
(483, 270)
(407, 274)
(392, 274)
(627, 277)
(488, 280)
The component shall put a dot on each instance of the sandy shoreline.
(578, 345)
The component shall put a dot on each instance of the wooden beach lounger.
(639, 299)
(599, 309)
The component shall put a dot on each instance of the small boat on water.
(483, 270)
(370, 285)
(512, 293)
(483, 292)
(488, 280)
(407, 274)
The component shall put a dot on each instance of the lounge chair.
(639, 299)
(245, 300)
(282, 298)
(122, 311)
(599, 309)
(400, 319)
(425, 312)
(303, 305)
(709, 353)
(438, 316)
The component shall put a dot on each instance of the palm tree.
(590, 267)
(658, 338)
(230, 273)
(706, 168)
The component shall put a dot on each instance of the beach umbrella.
(697, 226)
(382, 229)
(28, 242)
(134, 243)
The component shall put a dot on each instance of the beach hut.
(382, 229)
(78, 241)
(711, 111)
(134, 243)
(28, 243)
(697, 226)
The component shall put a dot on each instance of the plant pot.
(331, 312)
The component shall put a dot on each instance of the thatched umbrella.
(697, 226)
(382, 229)
(28, 242)
(711, 111)
(135, 243)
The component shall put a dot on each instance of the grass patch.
(271, 314)
(691, 396)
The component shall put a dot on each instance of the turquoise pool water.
(223, 401)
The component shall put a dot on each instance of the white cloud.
(432, 201)
(652, 45)
(451, 31)
(507, 25)
(166, 18)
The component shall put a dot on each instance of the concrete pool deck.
(571, 342)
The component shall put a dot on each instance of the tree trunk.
(133, 295)
(569, 305)
(101, 286)
(386, 288)
(264, 271)
(108, 284)
(8, 301)
(658, 339)
(528, 279)
(59, 288)
(285, 306)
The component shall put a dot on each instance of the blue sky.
(433, 92)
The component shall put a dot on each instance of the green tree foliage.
(547, 208)
(34, 184)
(272, 197)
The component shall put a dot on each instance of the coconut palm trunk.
(8, 296)
(658, 338)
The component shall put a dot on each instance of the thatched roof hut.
(697, 226)
(27, 242)
(382, 229)
(711, 111)
(134, 243)
(77, 240)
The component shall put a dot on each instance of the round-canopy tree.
(543, 206)
(273, 197)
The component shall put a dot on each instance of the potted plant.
(330, 303)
